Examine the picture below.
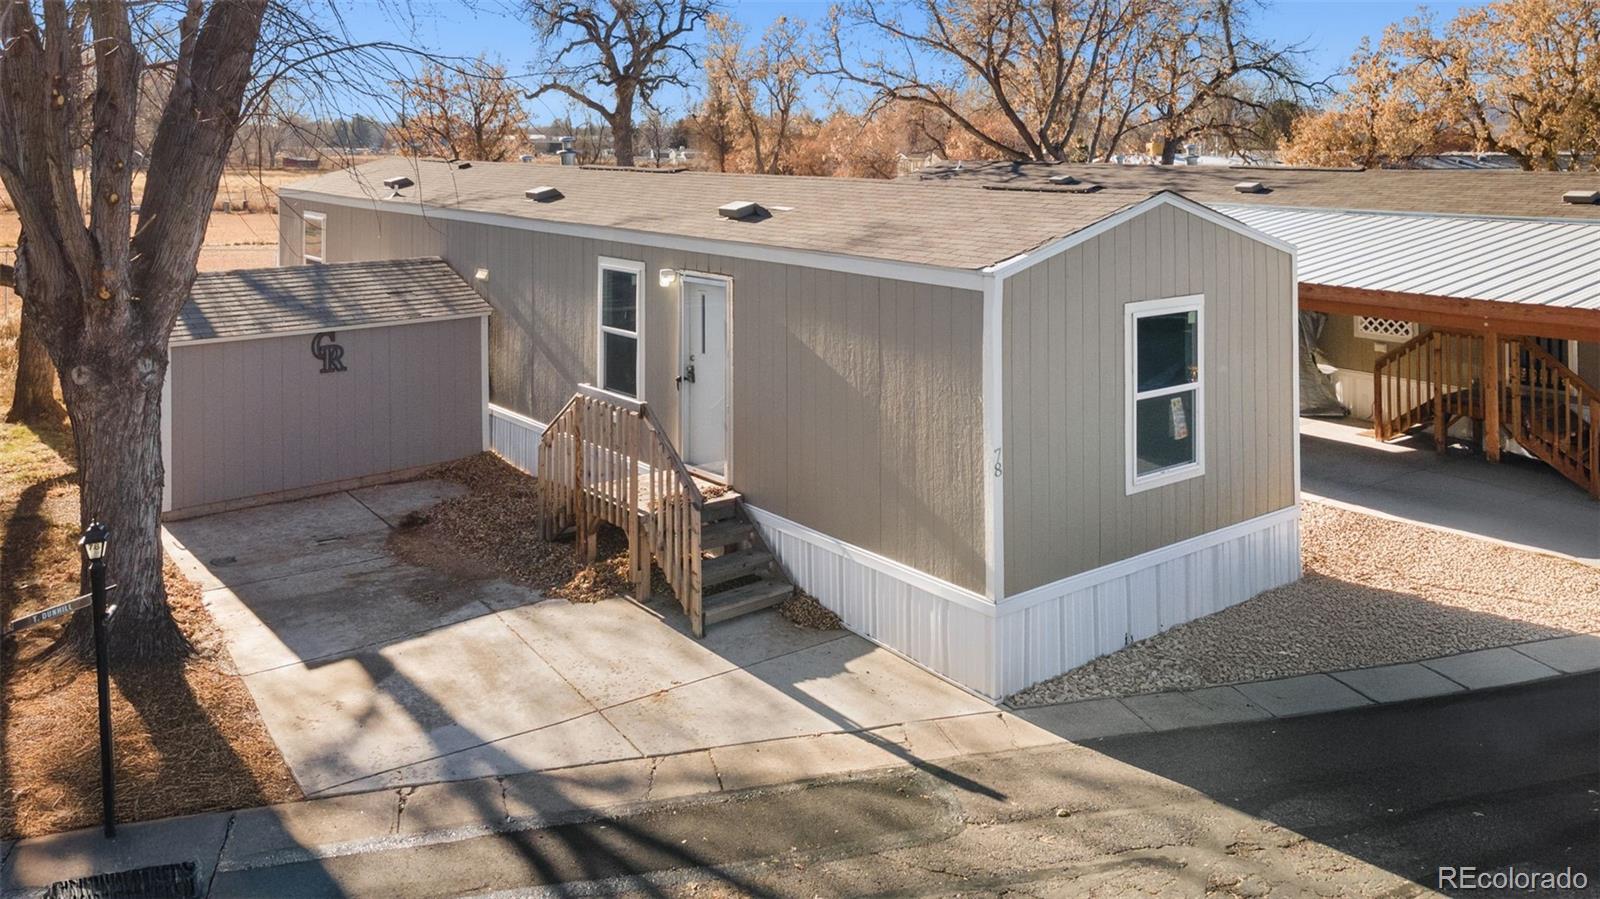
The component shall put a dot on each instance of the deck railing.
(1554, 413)
(1505, 385)
(1433, 379)
(606, 459)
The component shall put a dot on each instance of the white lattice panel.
(1392, 329)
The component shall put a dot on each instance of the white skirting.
(1051, 629)
(998, 650)
(943, 627)
(515, 437)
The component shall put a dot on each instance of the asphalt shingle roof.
(302, 298)
(1482, 192)
(888, 220)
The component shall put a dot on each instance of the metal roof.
(301, 299)
(1536, 262)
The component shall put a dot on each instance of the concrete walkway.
(398, 818)
(1517, 501)
(371, 672)
(1311, 694)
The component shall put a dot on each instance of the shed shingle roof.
(884, 220)
(303, 298)
(1482, 192)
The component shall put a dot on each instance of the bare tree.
(713, 124)
(1205, 66)
(1054, 80)
(101, 302)
(763, 83)
(471, 113)
(629, 49)
(33, 398)
(1017, 75)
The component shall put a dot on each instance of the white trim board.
(306, 332)
(994, 424)
(965, 279)
(1165, 198)
(166, 438)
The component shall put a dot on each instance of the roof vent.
(397, 185)
(1250, 187)
(739, 210)
(544, 193)
(1580, 197)
(1063, 179)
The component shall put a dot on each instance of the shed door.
(703, 384)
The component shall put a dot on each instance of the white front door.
(703, 373)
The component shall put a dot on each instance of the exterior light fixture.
(668, 277)
(94, 540)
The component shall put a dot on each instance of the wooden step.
(719, 508)
(762, 594)
(733, 565)
(727, 532)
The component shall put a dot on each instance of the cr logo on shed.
(329, 353)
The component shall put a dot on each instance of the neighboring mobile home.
(1434, 283)
(1001, 432)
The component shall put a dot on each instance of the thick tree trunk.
(115, 407)
(622, 133)
(34, 401)
(1169, 150)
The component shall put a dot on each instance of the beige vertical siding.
(1588, 363)
(856, 400)
(251, 417)
(1066, 508)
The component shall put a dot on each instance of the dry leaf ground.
(188, 736)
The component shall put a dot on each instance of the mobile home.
(999, 431)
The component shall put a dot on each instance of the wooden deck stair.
(1507, 386)
(605, 459)
(740, 575)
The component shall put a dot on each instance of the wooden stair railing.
(1553, 413)
(1433, 379)
(605, 458)
(1442, 376)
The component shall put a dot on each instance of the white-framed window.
(313, 232)
(1166, 391)
(1393, 330)
(621, 316)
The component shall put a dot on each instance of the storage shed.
(287, 382)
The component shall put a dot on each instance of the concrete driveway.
(1518, 501)
(371, 672)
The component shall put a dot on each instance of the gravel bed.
(1375, 592)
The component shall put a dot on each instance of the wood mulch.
(496, 523)
(188, 736)
(805, 611)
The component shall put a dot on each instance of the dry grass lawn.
(189, 738)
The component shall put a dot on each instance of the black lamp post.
(93, 541)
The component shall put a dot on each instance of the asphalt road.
(1363, 803)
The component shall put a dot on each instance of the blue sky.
(1329, 28)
